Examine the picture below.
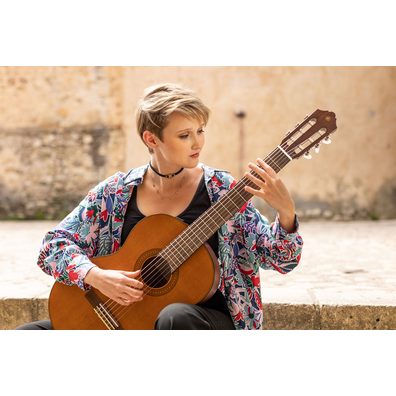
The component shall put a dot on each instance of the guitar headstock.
(314, 130)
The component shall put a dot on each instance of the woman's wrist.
(91, 278)
(287, 220)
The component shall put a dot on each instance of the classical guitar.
(171, 257)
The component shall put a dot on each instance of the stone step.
(295, 309)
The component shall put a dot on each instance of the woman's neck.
(167, 175)
(158, 170)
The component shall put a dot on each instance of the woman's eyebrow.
(189, 129)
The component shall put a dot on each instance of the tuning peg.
(327, 140)
(297, 125)
(317, 148)
(288, 132)
(306, 117)
(308, 155)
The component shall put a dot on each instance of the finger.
(260, 178)
(122, 301)
(260, 172)
(132, 293)
(131, 279)
(266, 167)
(134, 283)
(259, 183)
(257, 193)
(126, 299)
(131, 274)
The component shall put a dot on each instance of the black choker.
(170, 176)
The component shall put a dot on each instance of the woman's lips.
(194, 155)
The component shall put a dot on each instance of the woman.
(170, 121)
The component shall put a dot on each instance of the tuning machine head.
(327, 140)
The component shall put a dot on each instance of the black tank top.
(197, 206)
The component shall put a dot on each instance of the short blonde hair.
(160, 101)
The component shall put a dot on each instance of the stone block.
(357, 317)
(17, 311)
(278, 316)
(289, 309)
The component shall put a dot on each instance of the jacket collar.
(135, 176)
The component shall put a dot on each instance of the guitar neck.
(195, 235)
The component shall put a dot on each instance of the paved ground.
(343, 263)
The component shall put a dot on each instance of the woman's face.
(183, 140)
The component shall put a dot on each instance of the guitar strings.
(186, 234)
(233, 192)
(172, 256)
(283, 146)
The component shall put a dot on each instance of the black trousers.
(178, 316)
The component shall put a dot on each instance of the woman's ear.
(150, 139)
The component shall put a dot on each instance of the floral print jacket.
(246, 242)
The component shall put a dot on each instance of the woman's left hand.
(274, 192)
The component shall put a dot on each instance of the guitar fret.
(181, 245)
(220, 203)
(214, 207)
(192, 240)
(236, 190)
(171, 257)
(205, 224)
(201, 230)
(272, 164)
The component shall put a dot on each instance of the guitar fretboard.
(196, 234)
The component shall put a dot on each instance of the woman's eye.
(186, 136)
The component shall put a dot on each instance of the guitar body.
(195, 281)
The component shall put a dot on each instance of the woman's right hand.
(120, 286)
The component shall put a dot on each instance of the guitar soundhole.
(156, 272)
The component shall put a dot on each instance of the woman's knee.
(39, 325)
(180, 316)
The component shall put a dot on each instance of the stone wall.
(353, 178)
(49, 170)
(60, 135)
(64, 129)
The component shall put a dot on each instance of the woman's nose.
(197, 142)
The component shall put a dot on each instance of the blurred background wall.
(65, 129)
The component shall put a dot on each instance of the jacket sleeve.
(255, 240)
(66, 250)
(269, 245)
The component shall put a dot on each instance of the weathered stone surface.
(329, 309)
(49, 171)
(339, 284)
(293, 316)
(60, 135)
(17, 311)
(357, 317)
(49, 115)
(353, 178)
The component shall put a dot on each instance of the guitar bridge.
(102, 311)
